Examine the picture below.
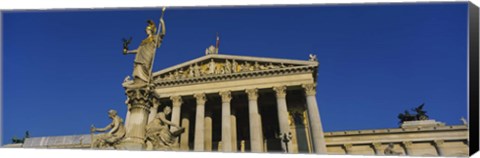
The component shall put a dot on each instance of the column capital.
(252, 94)
(280, 91)
(176, 100)
(226, 96)
(201, 98)
(139, 98)
(310, 89)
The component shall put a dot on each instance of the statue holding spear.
(145, 54)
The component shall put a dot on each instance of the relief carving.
(219, 67)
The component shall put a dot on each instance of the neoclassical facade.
(235, 103)
(238, 103)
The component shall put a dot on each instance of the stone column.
(348, 148)
(208, 131)
(138, 98)
(314, 117)
(262, 137)
(184, 136)
(199, 122)
(153, 109)
(177, 104)
(233, 126)
(407, 145)
(439, 146)
(377, 147)
(283, 114)
(254, 121)
(226, 122)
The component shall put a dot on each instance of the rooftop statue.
(145, 53)
(113, 137)
(18, 140)
(312, 57)
(420, 114)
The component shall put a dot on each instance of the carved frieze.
(219, 67)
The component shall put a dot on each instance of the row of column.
(228, 130)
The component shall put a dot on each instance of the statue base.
(421, 123)
(132, 144)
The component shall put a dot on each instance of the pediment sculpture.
(219, 67)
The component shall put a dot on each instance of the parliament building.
(232, 103)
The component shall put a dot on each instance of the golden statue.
(145, 53)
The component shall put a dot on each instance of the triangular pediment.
(220, 64)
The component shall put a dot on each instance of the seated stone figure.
(158, 133)
(114, 136)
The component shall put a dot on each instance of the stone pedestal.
(139, 101)
(421, 123)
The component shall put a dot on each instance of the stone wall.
(427, 141)
(71, 141)
(431, 141)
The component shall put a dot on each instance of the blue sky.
(62, 70)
